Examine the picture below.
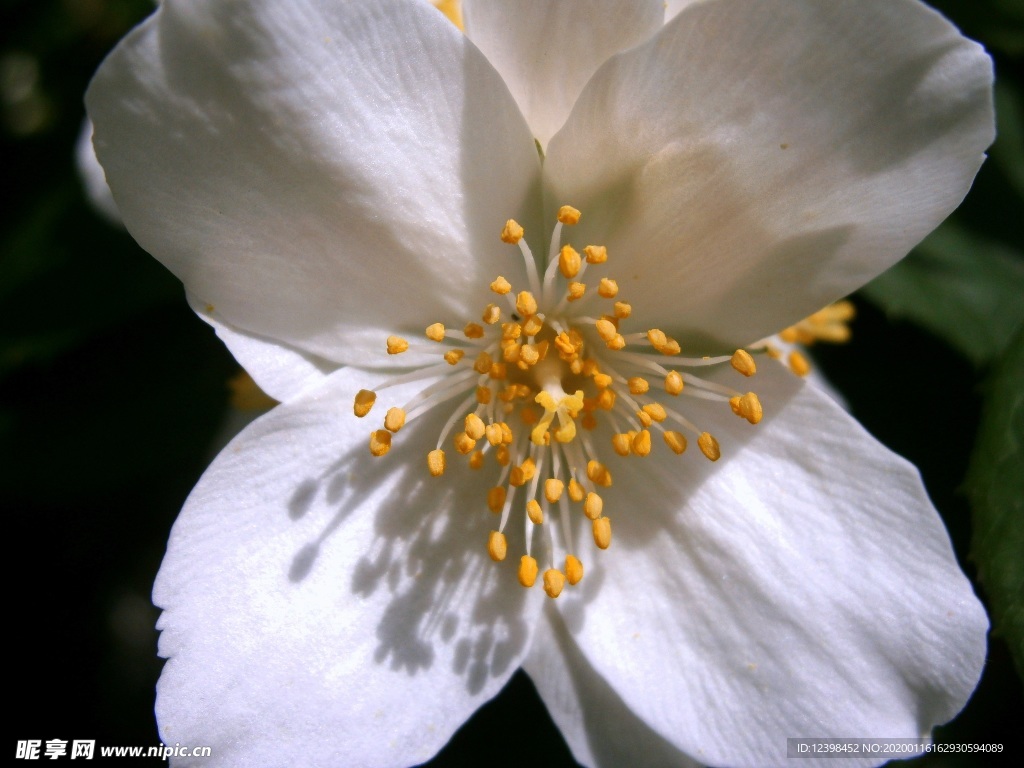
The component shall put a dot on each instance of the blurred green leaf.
(995, 483)
(963, 288)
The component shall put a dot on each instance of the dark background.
(114, 397)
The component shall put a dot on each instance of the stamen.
(593, 506)
(596, 254)
(527, 571)
(497, 547)
(602, 529)
(512, 233)
(394, 419)
(435, 332)
(675, 440)
(364, 402)
(743, 362)
(709, 446)
(526, 303)
(436, 462)
(554, 581)
(573, 569)
(380, 442)
(501, 286)
(568, 215)
(608, 288)
(569, 262)
(396, 345)
(798, 364)
(534, 512)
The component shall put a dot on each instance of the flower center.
(538, 375)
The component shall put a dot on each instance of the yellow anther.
(602, 380)
(656, 411)
(616, 343)
(554, 581)
(364, 402)
(394, 419)
(522, 474)
(493, 434)
(532, 325)
(673, 383)
(497, 547)
(596, 254)
(569, 262)
(464, 443)
(435, 332)
(798, 364)
(526, 304)
(568, 215)
(474, 426)
(396, 345)
(593, 506)
(380, 442)
(492, 314)
(638, 385)
(482, 363)
(496, 498)
(576, 290)
(501, 286)
(662, 343)
(512, 233)
(503, 456)
(483, 395)
(553, 488)
(602, 528)
(473, 331)
(506, 433)
(789, 335)
(476, 459)
(642, 443)
(743, 362)
(511, 331)
(606, 329)
(622, 443)
(675, 440)
(607, 288)
(750, 408)
(452, 356)
(576, 491)
(573, 569)
(773, 352)
(606, 399)
(622, 310)
(534, 512)
(436, 462)
(598, 473)
(645, 418)
(527, 571)
(528, 356)
(709, 446)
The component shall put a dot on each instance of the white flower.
(322, 176)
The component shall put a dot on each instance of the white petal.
(321, 603)
(93, 178)
(803, 587)
(602, 732)
(547, 51)
(322, 173)
(759, 159)
(279, 369)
